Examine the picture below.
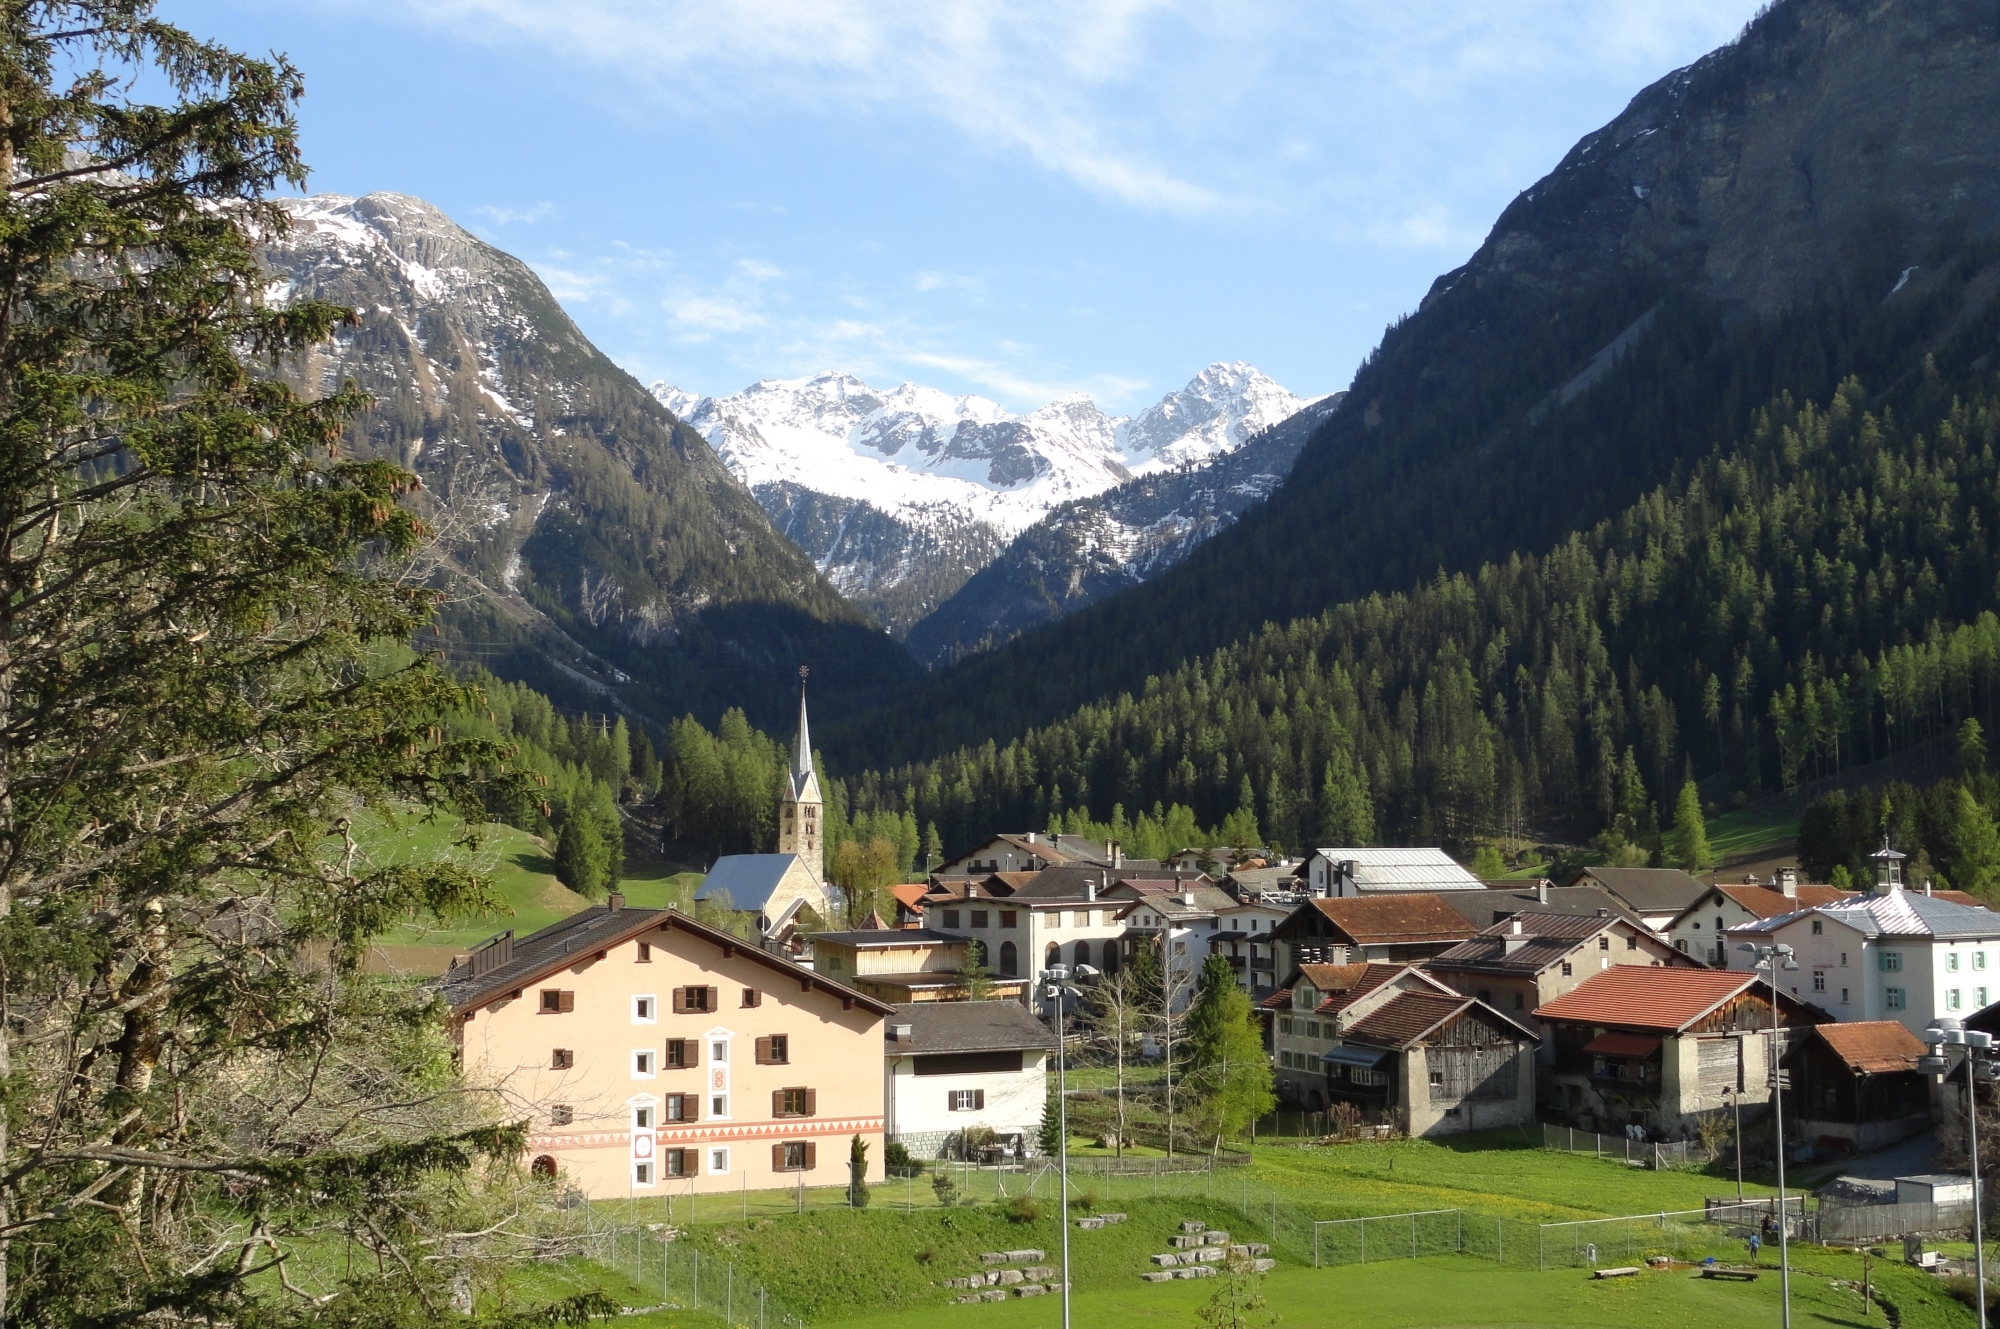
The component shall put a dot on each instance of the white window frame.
(717, 1078)
(645, 1008)
(1951, 1002)
(645, 1064)
(717, 1158)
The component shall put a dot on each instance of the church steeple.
(799, 805)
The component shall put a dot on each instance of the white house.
(1346, 872)
(1182, 914)
(1242, 934)
(1025, 924)
(1893, 954)
(954, 1066)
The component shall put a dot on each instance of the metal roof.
(1903, 913)
(874, 937)
(745, 881)
(1388, 870)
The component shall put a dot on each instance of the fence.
(687, 1279)
(1689, 1234)
(1859, 1223)
(1673, 1153)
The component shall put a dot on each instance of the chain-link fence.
(1655, 1154)
(686, 1279)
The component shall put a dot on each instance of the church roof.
(744, 882)
(805, 788)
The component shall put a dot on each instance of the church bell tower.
(800, 828)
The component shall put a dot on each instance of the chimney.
(1187, 898)
(614, 901)
(1542, 890)
(1517, 927)
(1031, 837)
(904, 1033)
(1927, 885)
(1090, 890)
(1788, 883)
(1513, 941)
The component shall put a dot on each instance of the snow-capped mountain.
(900, 495)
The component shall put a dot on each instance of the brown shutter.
(680, 1001)
(693, 1105)
(979, 1100)
(714, 999)
(777, 1158)
(812, 1155)
(568, 1002)
(812, 1102)
(764, 1051)
(777, 1102)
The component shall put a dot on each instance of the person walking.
(1756, 1243)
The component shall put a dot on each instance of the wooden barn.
(1856, 1085)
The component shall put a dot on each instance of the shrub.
(1021, 1209)
(896, 1161)
(945, 1189)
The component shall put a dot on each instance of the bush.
(1084, 1200)
(896, 1161)
(1021, 1209)
(945, 1189)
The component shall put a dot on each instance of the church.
(787, 891)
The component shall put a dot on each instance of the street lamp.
(1953, 1045)
(1769, 960)
(1056, 985)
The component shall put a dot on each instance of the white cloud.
(758, 270)
(506, 216)
(702, 314)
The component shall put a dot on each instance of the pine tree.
(1689, 840)
(579, 857)
(1975, 844)
(1228, 1073)
(1347, 813)
(857, 1173)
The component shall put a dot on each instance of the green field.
(1752, 833)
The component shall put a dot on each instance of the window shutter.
(680, 1001)
(568, 1002)
(979, 1100)
(812, 1102)
(777, 1158)
(764, 1051)
(714, 1000)
(812, 1155)
(777, 1102)
(693, 1104)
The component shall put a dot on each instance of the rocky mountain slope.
(1089, 548)
(593, 545)
(900, 495)
(1818, 199)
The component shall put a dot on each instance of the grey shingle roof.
(1496, 903)
(888, 937)
(1649, 889)
(966, 1026)
(745, 881)
(1542, 941)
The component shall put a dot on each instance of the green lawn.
(1461, 1293)
(1749, 834)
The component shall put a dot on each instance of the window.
(793, 1103)
(562, 1059)
(1083, 952)
(1979, 959)
(1682, 945)
(752, 998)
(718, 1106)
(1010, 918)
(680, 1107)
(1437, 1079)
(1518, 1002)
(1010, 960)
(645, 1010)
(1951, 962)
(645, 952)
(1892, 999)
(718, 1162)
(1081, 918)
(718, 1052)
(1979, 996)
(1361, 1075)
(965, 1100)
(1285, 1058)
(1284, 1024)
(1631, 943)
(557, 1003)
(1843, 996)
(1312, 1028)
(1569, 970)
(642, 1174)
(642, 1064)
(1486, 994)
(561, 1114)
(1819, 980)
(951, 918)
(1891, 961)
(979, 917)
(682, 1053)
(642, 1117)
(1819, 926)
(774, 1050)
(793, 1156)
(677, 1161)
(1604, 943)
(1951, 1003)
(694, 1001)
(1843, 959)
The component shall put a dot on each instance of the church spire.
(802, 758)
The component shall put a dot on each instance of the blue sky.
(1017, 198)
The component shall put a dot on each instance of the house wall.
(1036, 927)
(1924, 977)
(846, 963)
(920, 1112)
(1701, 931)
(1426, 1113)
(836, 1052)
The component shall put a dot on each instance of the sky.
(1014, 198)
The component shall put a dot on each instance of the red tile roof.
(1622, 1045)
(1873, 1047)
(1642, 997)
(1768, 902)
(1379, 920)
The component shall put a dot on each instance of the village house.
(1403, 1049)
(901, 965)
(1397, 929)
(1526, 962)
(1657, 895)
(1657, 1049)
(1857, 1087)
(1892, 954)
(966, 1077)
(1179, 916)
(1243, 936)
(1365, 872)
(653, 1054)
(1500, 901)
(1025, 923)
(1301, 1015)
(1699, 930)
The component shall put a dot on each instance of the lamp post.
(1056, 986)
(1952, 1045)
(1770, 959)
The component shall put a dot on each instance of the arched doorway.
(1083, 952)
(1010, 960)
(1053, 958)
(543, 1168)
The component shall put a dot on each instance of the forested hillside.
(1807, 204)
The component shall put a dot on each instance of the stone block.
(1168, 1260)
(1012, 1276)
(995, 1295)
(1041, 1273)
(1199, 1271)
(1090, 1224)
(1185, 1241)
(1031, 1290)
(1263, 1266)
(1215, 1238)
(1112, 1218)
(1192, 1225)
(973, 1299)
(1026, 1257)
(1156, 1276)
(1210, 1255)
